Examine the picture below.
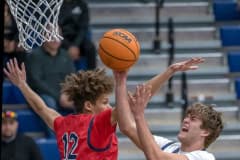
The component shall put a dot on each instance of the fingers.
(195, 60)
(9, 71)
(143, 92)
(12, 65)
(23, 68)
(120, 74)
(190, 64)
(15, 63)
(9, 67)
(6, 72)
(193, 67)
(132, 100)
(12, 68)
(130, 94)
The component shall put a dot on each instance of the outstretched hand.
(120, 75)
(140, 99)
(16, 75)
(190, 64)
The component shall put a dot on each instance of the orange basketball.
(119, 49)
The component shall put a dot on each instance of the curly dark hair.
(87, 86)
(211, 120)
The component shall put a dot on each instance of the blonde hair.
(211, 120)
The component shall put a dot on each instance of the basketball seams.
(123, 45)
(100, 46)
(133, 37)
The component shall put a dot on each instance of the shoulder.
(200, 155)
(104, 113)
(57, 122)
(104, 119)
(69, 119)
(167, 145)
(161, 141)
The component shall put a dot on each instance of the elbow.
(123, 129)
(127, 129)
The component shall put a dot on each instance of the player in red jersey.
(91, 133)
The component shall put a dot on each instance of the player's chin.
(181, 135)
(7, 135)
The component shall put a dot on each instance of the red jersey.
(86, 137)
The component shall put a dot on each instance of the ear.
(88, 107)
(205, 133)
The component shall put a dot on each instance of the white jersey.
(175, 147)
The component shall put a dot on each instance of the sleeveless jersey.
(86, 137)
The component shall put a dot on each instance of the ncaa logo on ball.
(123, 36)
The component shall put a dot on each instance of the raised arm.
(18, 77)
(158, 81)
(150, 148)
(125, 120)
(124, 116)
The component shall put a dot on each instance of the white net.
(37, 21)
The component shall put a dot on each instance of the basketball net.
(37, 21)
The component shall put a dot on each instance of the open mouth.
(184, 129)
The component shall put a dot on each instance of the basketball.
(119, 49)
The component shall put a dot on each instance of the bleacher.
(203, 28)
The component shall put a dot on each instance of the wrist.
(22, 85)
(122, 81)
(139, 117)
(170, 70)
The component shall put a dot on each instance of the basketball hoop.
(37, 21)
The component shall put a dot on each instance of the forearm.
(158, 81)
(150, 147)
(125, 119)
(35, 102)
(123, 110)
(38, 105)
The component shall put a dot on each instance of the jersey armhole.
(96, 149)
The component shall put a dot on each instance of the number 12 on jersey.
(70, 142)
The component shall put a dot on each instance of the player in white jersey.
(200, 127)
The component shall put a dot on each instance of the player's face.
(9, 128)
(190, 130)
(102, 103)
